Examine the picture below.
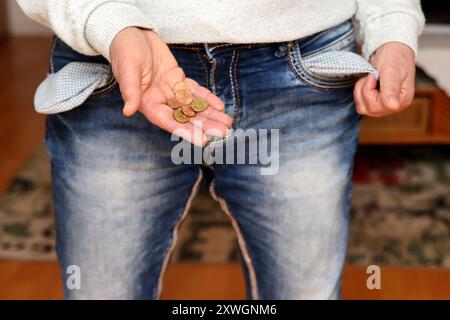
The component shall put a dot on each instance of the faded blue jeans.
(120, 200)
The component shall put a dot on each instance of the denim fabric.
(119, 199)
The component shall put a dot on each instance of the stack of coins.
(184, 105)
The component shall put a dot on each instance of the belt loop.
(289, 45)
(208, 52)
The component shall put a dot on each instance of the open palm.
(146, 72)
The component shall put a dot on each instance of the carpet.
(400, 213)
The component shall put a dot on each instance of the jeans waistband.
(211, 49)
(222, 46)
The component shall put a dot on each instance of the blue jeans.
(120, 200)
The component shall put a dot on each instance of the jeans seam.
(235, 88)
(333, 45)
(299, 63)
(204, 67)
(245, 46)
(171, 46)
(308, 79)
(52, 51)
(340, 47)
(212, 79)
(241, 240)
(223, 48)
(110, 85)
(175, 231)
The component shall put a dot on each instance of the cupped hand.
(395, 63)
(146, 72)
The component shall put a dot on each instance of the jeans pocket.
(73, 78)
(331, 64)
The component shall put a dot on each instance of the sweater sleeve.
(382, 21)
(88, 26)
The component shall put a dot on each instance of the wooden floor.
(23, 63)
(35, 280)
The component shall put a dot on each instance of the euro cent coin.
(184, 97)
(174, 103)
(188, 111)
(180, 117)
(180, 86)
(199, 105)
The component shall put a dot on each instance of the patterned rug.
(400, 213)
(26, 214)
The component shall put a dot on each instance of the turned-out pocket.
(331, 63)
(73, 78)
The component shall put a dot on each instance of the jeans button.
(281, 52)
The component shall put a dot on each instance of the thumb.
(129, 79)
(390, 86)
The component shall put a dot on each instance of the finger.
(129, 79)
(218, 116)
(209, 125)
(357, 96)
(408, 90)
(166, 90)
(203, 93)
(162, 116)
(371, 97)
(390, 85)
(172, 77)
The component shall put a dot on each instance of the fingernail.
(393, 99)
(393, 102)
(127, 111)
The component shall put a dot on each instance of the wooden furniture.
(3, 21)
(427, 121)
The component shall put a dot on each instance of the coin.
(187, 110)
(180, 116)
(180, 86)
(174, 103)
(183, 96)
(199, 105)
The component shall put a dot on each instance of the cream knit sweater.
(89, 26)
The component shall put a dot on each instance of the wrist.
(394, 47)
(108, 20)
(127, 35)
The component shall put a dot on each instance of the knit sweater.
(89, 26)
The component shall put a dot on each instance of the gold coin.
(180, 86)
(187, 110)
(174, 103)
(199, 105)
(180, 116)
(184, 97)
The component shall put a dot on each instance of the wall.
(19, 24)
(3, 24)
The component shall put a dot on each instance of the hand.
(146, 72)
(395, 63)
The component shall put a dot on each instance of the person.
(119, 197)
